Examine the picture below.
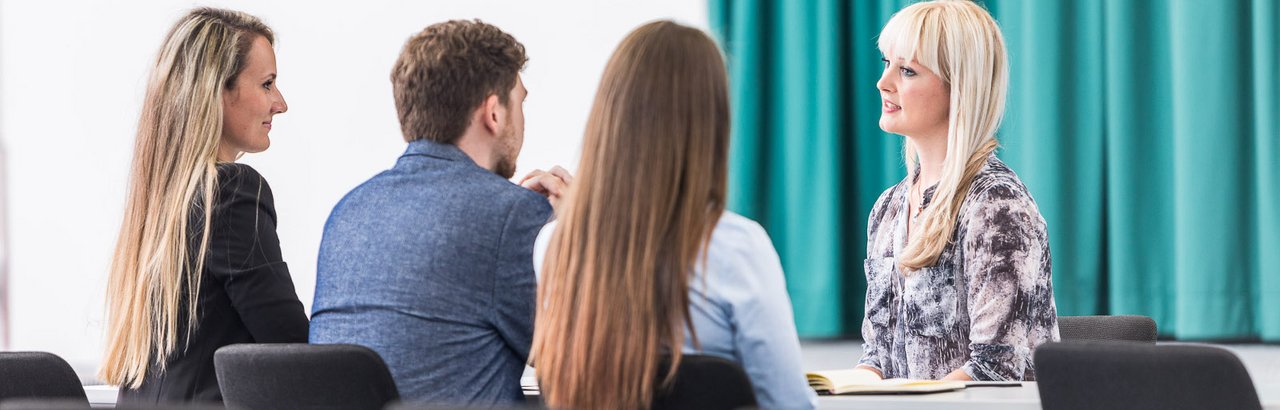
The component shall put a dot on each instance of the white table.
(1026, 397)
(974, 397)
(102, 396)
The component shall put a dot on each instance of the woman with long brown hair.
(197, 265)
(644, 264)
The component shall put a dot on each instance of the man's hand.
(552, 184)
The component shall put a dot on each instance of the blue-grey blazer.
(430, 264)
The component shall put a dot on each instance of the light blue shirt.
(741, 311)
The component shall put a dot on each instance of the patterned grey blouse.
(983, 307)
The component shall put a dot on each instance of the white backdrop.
(72, 74)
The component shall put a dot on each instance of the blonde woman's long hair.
(961, 42)
(171, 184)
(614, 297)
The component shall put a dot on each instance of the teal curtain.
(1147, 130)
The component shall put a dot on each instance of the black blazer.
(246, 294)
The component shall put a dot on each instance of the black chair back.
(428, 406)
(38, 375)
(1126, 375)
(65, 404)
(1120, 328)
(706, 382)
(303, 376)
(44, 404)
(701, 383)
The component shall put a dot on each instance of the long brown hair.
(173, 173)
(614, 297)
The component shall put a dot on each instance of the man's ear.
(489, 114)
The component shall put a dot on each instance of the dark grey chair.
(1105, 375)
(706, 382)
(43, 404)
(1122, 328)
(702, 382)
(423, 406)
(303, 376)
(65, 404)
(38, 375)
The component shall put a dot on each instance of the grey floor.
(1262, 361)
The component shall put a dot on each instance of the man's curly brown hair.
(446, 71)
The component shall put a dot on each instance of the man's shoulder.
(478, 188)
(487, 186)
(444, 193)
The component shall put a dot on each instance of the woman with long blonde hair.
(197, 265)
(958, 268)
(644, 264)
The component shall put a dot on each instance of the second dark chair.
(71, 404)
(1125, 375)
(303, 376)
(701, 383)
(706, 382)
(1119, 328)
(39, 375)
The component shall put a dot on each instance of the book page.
(862, 381)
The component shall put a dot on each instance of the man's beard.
(505, 165)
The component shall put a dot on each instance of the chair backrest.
(1126, 375)
(44, 404)
(38, 375)
(429, 406)
(303, 376)
(1124, 328)
(706, 382)
(65, 404)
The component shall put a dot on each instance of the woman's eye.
(907, 72)
(886, 62)
(268, 84)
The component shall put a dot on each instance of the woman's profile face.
(251, 102)
(914, 101)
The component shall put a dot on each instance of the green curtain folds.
(1147, 130)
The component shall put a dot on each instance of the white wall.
(72, 75)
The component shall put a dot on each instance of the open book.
(853, 381)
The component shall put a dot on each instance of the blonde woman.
(644, 264)
(958, 270)
(188, 278)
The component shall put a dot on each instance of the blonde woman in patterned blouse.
(958, 271)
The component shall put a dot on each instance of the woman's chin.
(888, 127)
(256, 148)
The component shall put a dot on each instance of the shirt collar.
(437, 150)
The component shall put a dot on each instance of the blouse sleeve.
(765, 333)
(875, 325)
(879, 299)
(1005, 244)
(244, 254)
